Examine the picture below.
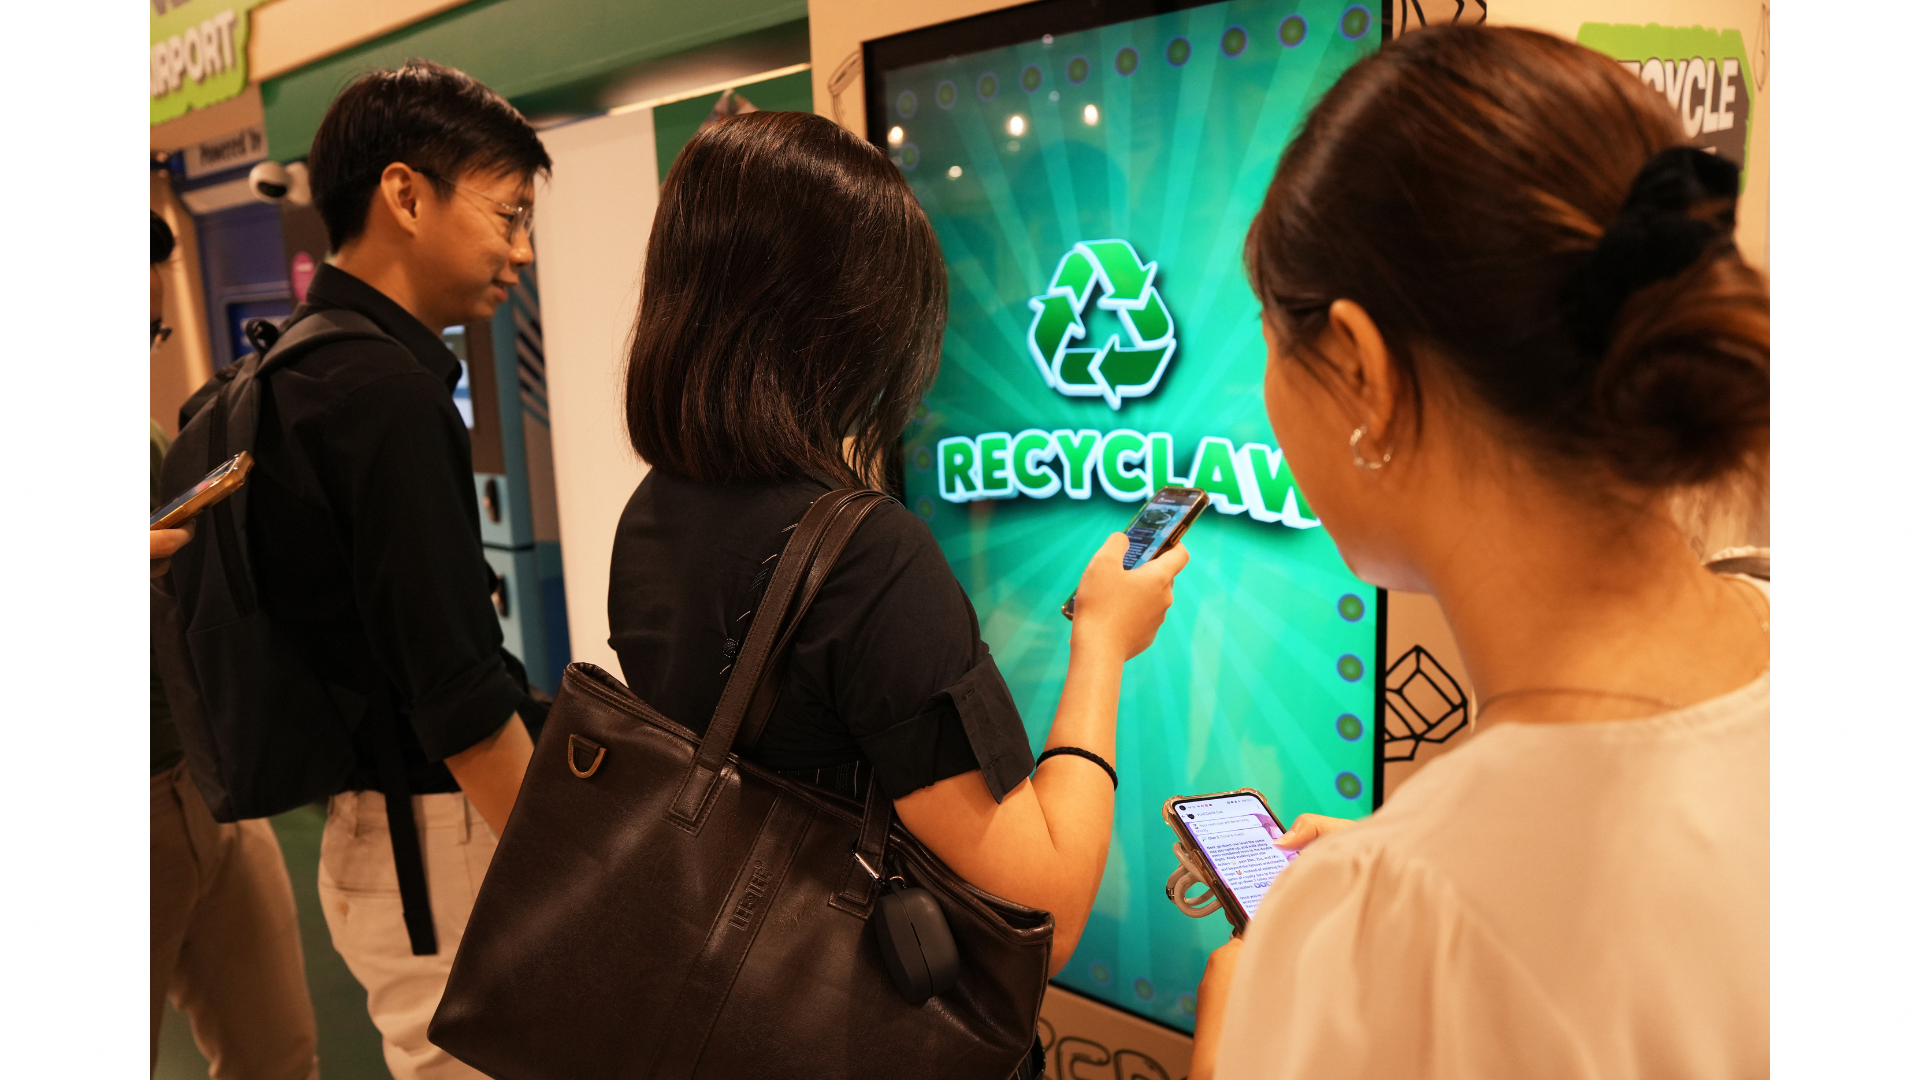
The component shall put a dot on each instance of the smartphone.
(1233, 833)
(1157, 527)
(212, 488)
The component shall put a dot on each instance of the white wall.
(594, 218)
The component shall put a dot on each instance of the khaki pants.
(361, 895)
(226, 939)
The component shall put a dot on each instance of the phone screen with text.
(1154, 524)
(1236, 834)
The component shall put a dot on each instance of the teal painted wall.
(519, 48)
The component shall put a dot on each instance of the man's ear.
(1364, 367)
(399, 195)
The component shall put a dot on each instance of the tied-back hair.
(1456, 186)
(793, 298)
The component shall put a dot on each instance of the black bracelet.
(1077, 752)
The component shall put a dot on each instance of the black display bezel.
(992, 30)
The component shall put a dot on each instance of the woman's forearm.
(1076, 797)
(1089, 701)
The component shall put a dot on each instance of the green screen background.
(1244, 686)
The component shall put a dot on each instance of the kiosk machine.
(1091, 171)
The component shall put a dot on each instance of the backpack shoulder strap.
(286, 344)
(323, 327)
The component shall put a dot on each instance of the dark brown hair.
(1453, 185)
(793, 297)
(431, 117)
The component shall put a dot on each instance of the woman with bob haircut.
(790, 321)
(1506, 326)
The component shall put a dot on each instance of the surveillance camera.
(269, 181)
(298, 191)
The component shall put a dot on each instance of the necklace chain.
(1658, 702)
(1662, 703)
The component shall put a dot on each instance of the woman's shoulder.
(681, 537)
(664, 500)
(894, 528)
(893, 559)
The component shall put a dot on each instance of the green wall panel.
(675, 124)
(518, 47)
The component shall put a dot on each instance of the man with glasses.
(366, 531)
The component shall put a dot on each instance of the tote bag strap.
(866, 865)
(776, 613)
(773, 676)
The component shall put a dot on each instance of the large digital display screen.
(1091, 171)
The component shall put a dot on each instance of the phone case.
(1180, 530)
(235, 474)
(1229, 903)
(1173, 538)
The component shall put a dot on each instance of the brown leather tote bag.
(659, 907)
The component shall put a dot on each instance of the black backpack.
(262, 731)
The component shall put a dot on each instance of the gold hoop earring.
(1353, 446)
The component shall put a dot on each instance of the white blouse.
(1550, 900)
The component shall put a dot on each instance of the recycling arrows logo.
(1116, 370)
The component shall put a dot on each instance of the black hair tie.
(1655, 236)
(1079, 753)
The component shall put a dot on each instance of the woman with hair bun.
(1507, 326)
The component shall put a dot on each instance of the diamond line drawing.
(1424, 703)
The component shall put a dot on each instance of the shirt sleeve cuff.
(972, 724)
(465, 710)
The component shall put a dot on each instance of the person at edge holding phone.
(162, 542)
(365, 524)
(224, 932)
(791, 316)
(1501, 417)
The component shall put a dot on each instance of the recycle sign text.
(1036, 463)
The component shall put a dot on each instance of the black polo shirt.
(365, 532)
(887, 670)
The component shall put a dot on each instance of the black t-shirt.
(887, 668)
(365, 531)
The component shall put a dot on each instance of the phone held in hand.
(1158, 526)
(1233, 837)
(212, 488)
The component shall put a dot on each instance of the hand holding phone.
(1121, 611)
(211, 489)
(163, 543)
(1156, 528)
(1307, 828)
(1235, 837)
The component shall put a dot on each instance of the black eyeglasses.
(518, 217)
